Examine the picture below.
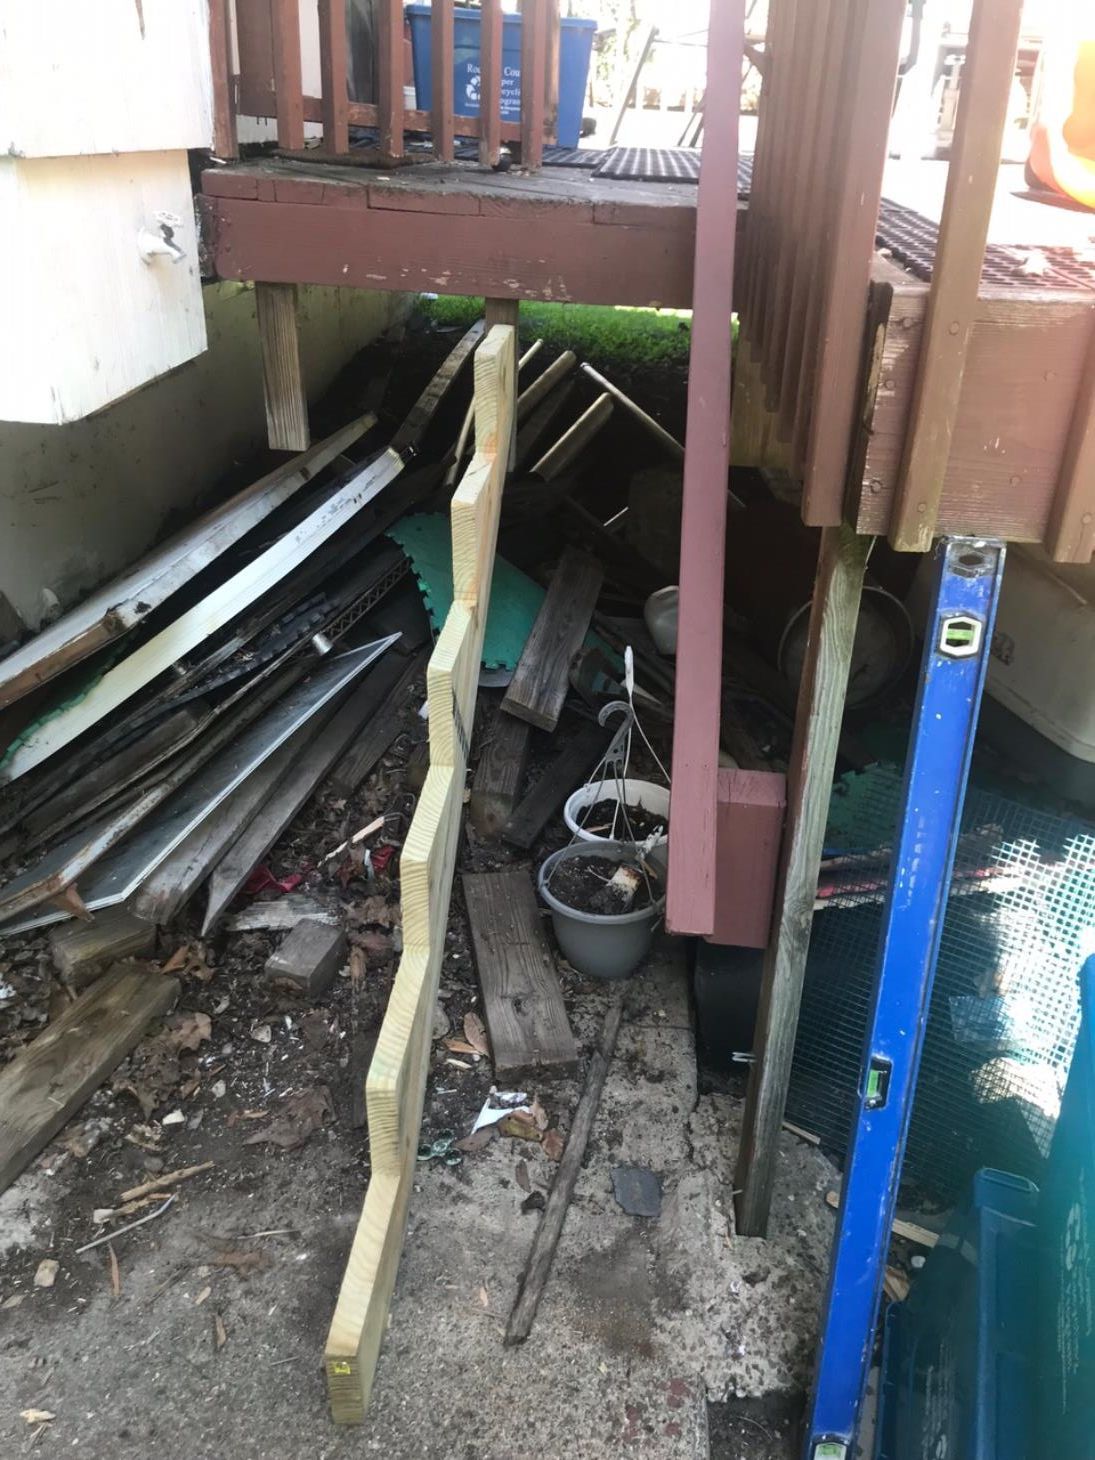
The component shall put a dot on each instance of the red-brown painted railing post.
(691, 902)
(533, 80)
(441, 65)
(225, 143)
(288, 86)
(490, 83)
(390, 77)
(334, 75)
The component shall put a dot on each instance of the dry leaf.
(298, 1117)
(177, 960)
(375, 910)
(519, 1127)
(220, 1333)
(115, 1271)
(477, 1141)
(459, 1046)
(484, 1297)
(521, 1176)
(538, 1113)
(37, 1416)
(244, 1262)
(189, 1029)
(47, 1272)
(553, 1145)
(13, 1301)
(201, 1297)
(475, 1032)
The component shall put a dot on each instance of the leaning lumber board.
(125, 601)
(392, 679)
(563, 774)
(498, 776)
(48, 1082)
(288, 796)
(542, 677)
(529, 1029)
(396, 1085)
(196, 625)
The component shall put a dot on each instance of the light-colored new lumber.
(396, 1083)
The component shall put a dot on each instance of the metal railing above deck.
(267, 82)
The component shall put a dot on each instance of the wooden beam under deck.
(450, 231)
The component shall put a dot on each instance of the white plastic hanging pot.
(645, 795)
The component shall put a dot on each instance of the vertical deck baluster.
(551, 72)
(334, 75)
(533, 80)
(390, 77)
(225, 143)
(441, 64)
(288, 87)
(490, 83)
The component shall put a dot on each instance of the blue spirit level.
(968, 573)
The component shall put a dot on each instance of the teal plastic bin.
(575, 45)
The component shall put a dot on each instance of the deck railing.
(265, 80)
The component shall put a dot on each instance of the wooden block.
(748, 831)
(499, 774)
(541, 679)
(46, 1084)
(529, 1029)
(82, 950)
(563, 774)
(309, 957)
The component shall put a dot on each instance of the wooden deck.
(453, 228)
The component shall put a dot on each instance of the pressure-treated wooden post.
(833, 619)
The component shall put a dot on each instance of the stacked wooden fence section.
(396, 1084)
(270, 79)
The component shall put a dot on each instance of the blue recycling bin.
(992, 1356)
(575, 45)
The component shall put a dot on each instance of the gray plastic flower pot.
(599, 944)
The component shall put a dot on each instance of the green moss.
(602, 334)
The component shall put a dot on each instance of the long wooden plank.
(529, 1030)
(956, 271)
(541, 680)
(195, 625)
(490, 82)
(563, 774)
(441, 78)
(496, 784)
(397, 1077)
(392, 679)
(282, 378)
(334, 75)
(534, 48)
(288, 86)
(534, 1279)
(263, 828)
(48, 1082)
(691, 891)
(833, 618)
(108, 612)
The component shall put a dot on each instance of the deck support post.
(282, 381)
(833, 617)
